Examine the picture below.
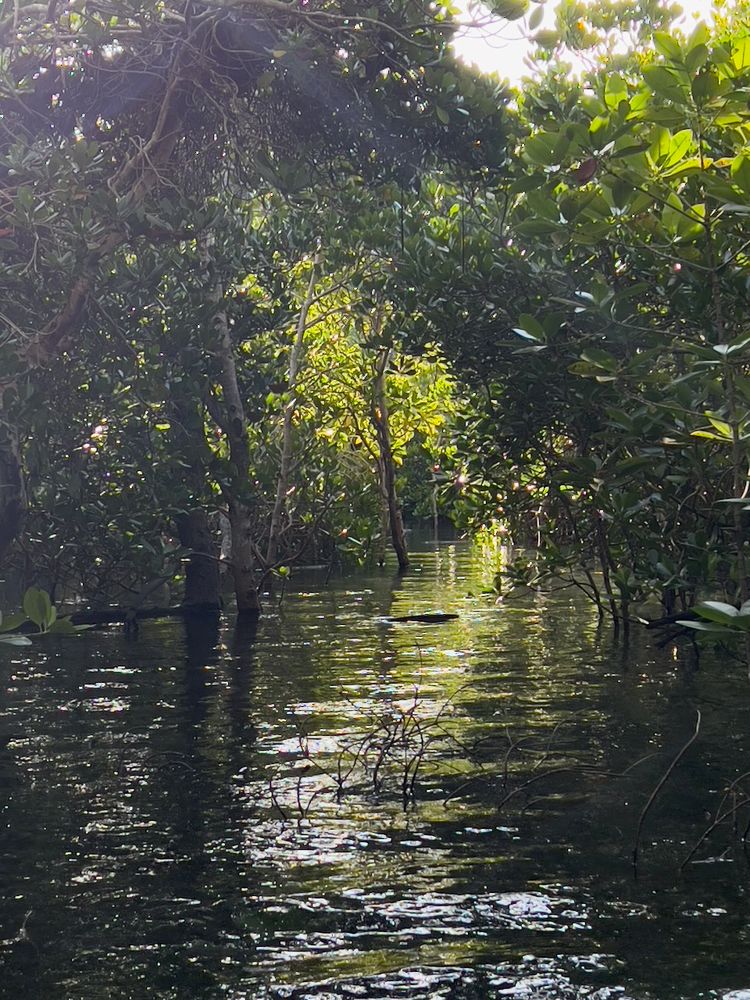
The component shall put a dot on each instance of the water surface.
(333, 806)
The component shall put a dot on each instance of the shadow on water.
(174, 814)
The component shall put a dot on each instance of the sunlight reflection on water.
(329, 805)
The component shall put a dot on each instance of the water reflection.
(174, 817)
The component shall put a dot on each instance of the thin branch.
(659, 785)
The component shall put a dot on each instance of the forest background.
(276, 272)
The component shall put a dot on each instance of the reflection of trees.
(139, 770)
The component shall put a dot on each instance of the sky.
(504, 47)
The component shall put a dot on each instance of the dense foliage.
(168, 176)
(276, 263)
(615, 431)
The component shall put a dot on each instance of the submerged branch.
(659, 785)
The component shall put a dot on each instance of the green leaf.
(630, 150)
(679, 145)
(632, 463)
(37, 605)
(692, 165)
(673, 213)
(528, 183)
(511, 10)
(741, 54)
(537, 227)
(10, 622)
(64, 626)
(545, 148)
(705, 86)
(536, 18)
(15, 640)
(667, 46)
(588, 370)
(721, 426)
(740, 172)
(716, 628)
(696, 57)
(699, 36)
(530, 326)
(709, 435)
(659, 148)
(665, 83)
(717, 611)
(615, 91)
(602, 359)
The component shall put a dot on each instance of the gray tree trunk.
(233, 421)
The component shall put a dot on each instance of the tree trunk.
(230, 415)
(243, 560)
(194, 526)
(225, 550)
(385, 520)
(287, 440)
(386, 463)
(202, 590)
(13, 500)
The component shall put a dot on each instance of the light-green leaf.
(715, 628)
(667, 46)
(37, 606)
(64, 626)
(602, 359)
(679, 145)
(536, 18)
(721, 426)
(615, 91)
(10, 622)
(664, 82)
(740, 172)
(741, 54)
(717, 611)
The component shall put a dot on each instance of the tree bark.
(193, 523)
(386, 463)
(202, 571)
(243, 560)
(287, 440)
(385, 521)
(233, 421)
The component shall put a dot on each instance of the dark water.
(170, 816)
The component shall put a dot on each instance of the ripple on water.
(140, 829)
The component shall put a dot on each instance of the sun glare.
(504, 47)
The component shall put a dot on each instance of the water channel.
(331, 805)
